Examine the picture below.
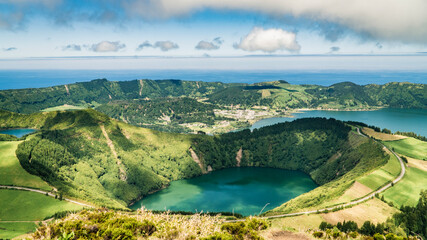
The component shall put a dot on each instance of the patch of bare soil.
(381, 136)
(275, 234)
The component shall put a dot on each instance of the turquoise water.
(404, 120)
(242, 190)
(17, 132)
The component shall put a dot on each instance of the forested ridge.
(87, 155)
(275, 94)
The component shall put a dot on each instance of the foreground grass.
(407, 191)
(10, 230)
(410, 147)
(107, 224)
(11, 171)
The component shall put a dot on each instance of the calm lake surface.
(17, 132)
(244, 190)
(404, 120)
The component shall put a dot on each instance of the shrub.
(378, 236)
(318, 234)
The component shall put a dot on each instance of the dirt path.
(66, 88)
(351, 203)
(122, 172)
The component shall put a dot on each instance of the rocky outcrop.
(197, 160)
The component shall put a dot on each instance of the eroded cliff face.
(239, 157)
(197, 160)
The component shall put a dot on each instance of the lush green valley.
(87, 155)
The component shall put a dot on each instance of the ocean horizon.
(16, 79)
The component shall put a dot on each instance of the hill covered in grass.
(169, 105)
(87, 155)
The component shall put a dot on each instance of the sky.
(200, 29)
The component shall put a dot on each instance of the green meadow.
(10, 230)
(383, 175)
(11, 171)
(407, 191)
(410, 147)
(16, 205)
(63, 108)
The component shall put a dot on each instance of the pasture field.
(10, 230)
(407, 191)
(410, 147)
(16, 205)
(11, 171)
(63, 108)
(381, 136)
(383, 175)
(26, 206)
(375, 210)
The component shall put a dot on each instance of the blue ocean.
(14, 79)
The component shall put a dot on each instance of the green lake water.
(17, 132)
(242, 190)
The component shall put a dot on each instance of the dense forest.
(87, 155)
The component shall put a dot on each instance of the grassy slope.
(10, 230)
(11, 171)
(407, 191)
(373, 210)
(27, 206)
(383, 175)
(91, 170)
(410, 147)
(63, 108)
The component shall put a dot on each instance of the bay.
(404, 120)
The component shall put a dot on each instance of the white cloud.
(163, 45)
(166, 45)
(397, 20)
(144, 45)
(107, 46)
(269, 40)
(204, 45)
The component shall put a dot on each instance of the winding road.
(354, 202)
